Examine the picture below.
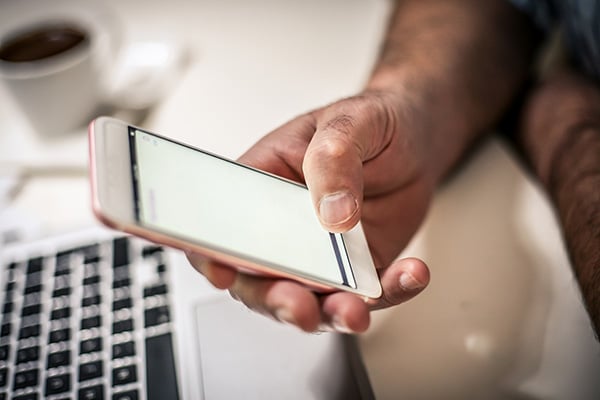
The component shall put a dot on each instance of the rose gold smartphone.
(180, 196)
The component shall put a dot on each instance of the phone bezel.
(113, 204)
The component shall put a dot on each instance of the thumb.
(345, 137)
(401, 281)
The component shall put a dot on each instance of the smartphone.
(174, 194)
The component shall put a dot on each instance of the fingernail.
(284, 315)
(408, 282)
(337, 208)
(340, 326)
(324, 328)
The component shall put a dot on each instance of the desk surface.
(502, 317)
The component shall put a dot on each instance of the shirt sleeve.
(542, 12)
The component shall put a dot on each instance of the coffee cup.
(55, 59)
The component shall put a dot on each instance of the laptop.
(98, 315)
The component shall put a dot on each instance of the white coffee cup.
(58, 91)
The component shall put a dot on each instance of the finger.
(347, 134)
(401, 281)
(219, 275)
(283, 300)
(345, 313)
(281, 152)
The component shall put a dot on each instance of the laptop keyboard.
(87, 322)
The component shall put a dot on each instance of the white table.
(502, 317)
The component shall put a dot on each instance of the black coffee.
(41, 42)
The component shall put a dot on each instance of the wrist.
(457, 65)
(560, 123)
(408, 122)
(428, 106)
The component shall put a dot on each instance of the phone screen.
(220, 204)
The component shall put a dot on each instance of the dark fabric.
(580, 20)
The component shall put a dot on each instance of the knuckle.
(331, 147)
(365, 123)
(251, 292)
(342, 123)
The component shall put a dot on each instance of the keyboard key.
(58, 384)
(31, 310)
(28, 354)
(91, 280)
(150, 250)
(25, 379)
(59, 359)
(122, 303)
(4, 352)
(27, 396)
(161, 378)
(125, 282)
(126, 349)
(65, 291)
(29, 331)
(34, 289)
(155, 290)
(60, 335)
(91, 393)
(5, 330)
(10, 286)
(120, 252)
(91, 254)
(157, 316)
(90, 370)
(90, 345)
(33, 284)
(62, 272)
(124, 375)
(63, 269)
(3, 377)
(90, 301)
(8, 307)
(61, 313)
(63, 260)
(128, 395)
(34, 265)
(122, 326)
(91, 322)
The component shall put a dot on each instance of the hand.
(362, 158)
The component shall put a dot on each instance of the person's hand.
(362, 158)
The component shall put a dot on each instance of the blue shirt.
(581, 23)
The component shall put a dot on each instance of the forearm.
(560, 133)
(457, 63)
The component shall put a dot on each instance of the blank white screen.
(221, 205)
